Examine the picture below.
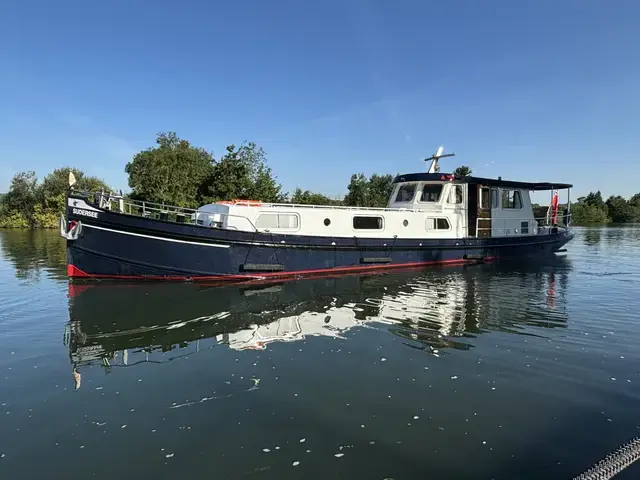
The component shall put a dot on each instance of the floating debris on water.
(295, 464)
(338, 455)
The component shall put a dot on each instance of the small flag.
(72, 178)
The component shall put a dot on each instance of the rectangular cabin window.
(511, 199)
(485, 198)
(494, 198)
(431, 192)
(524, 228)
(277, 220)
(437, 224)
(367, 223)
(406, 192)
(455, 194)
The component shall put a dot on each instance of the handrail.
(161, 211)
(410, 208)
(535, 229)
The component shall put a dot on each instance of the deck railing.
(535, 225)
(184, 215)
(162, 211)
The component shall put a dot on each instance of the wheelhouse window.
(431, 192)
(485, 198)
(494, 198)
(368, 223)
(278, 220)
(438, 224)
(406, 192)
(455, 194)
(511, 199)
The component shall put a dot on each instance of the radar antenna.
(434, 167)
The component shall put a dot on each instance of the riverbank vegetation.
(178, 173)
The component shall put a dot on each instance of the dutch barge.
(431, 218)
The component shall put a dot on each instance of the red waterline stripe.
(75, 289)
(75, 272)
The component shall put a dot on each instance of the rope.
(613, 463)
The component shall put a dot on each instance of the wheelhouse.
(482, 207)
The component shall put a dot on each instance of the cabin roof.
(491, 182)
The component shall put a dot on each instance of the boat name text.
(86, 213)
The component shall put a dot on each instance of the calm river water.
(519, 371)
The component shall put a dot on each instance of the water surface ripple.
(526, 370)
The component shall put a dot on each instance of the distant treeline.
(33, 204)
(178, 173)
(592, 209)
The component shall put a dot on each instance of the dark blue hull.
(118, 246)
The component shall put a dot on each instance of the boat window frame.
(425, 184)
(453, 189)
(355, 229)
(516, 193)
(487, 191)
(397, 192)
(435, 223)
(495, 198)
(278, 214)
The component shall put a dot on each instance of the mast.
(434, 167)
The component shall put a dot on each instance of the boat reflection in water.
(122, 325)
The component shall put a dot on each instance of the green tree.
(306, 197)
(463, 171)
(53, 189)
(585, 214)
(358, 187)
(369, 192)
(593, 199)
(173, 172)
(380, 187)
(29, 204)
(589, 210)
(620, 210)
(243, 173)
(19, 201)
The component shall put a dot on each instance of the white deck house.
(421, 206)
(416, 209)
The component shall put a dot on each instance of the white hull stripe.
(155, 238)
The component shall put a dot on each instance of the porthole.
(327, 222)
(405, 222)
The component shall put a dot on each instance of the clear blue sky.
(529, 90)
